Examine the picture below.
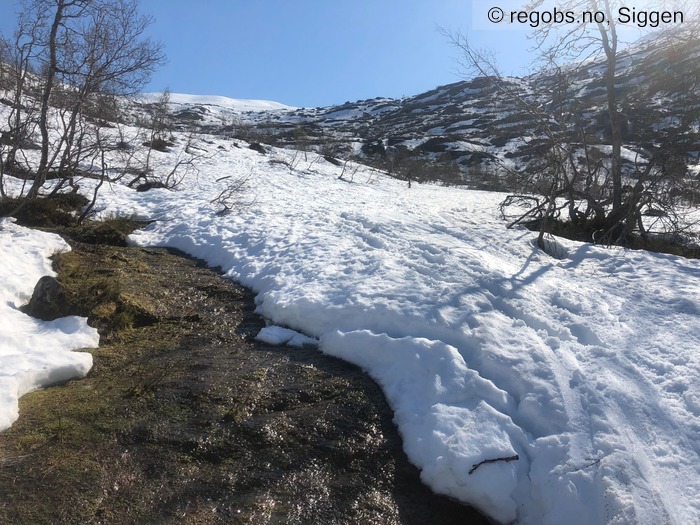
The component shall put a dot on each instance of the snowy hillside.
(471, 123)
(541, 390)
(232, 104)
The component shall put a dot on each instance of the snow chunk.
(276, 335)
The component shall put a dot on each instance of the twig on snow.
(484, 462)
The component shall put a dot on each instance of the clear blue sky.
(317, 52)
(309, 53)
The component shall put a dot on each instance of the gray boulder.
(48, 300)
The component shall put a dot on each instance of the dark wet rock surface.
(48, 300)
(185, 418)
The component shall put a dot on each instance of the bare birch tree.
(83, 50)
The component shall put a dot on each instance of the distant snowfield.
(540, 390)
(235, 104)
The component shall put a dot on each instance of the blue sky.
(311, 52)
(318, 52)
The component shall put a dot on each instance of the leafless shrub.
(350, 171)
(232, 196)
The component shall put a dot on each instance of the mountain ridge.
(470, 127)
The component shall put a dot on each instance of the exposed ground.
(185, 418)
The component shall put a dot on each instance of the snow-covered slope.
(541, 390)
(233, 104)
(205, 111)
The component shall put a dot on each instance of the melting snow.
(34, 353)
(541, 390)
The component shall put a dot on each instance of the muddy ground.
(185, 418)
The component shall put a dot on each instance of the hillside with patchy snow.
(471, 123)
(541, 390)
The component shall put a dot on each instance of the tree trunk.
(616, 135)
(609, 39)
(43, 168)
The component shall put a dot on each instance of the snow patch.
(34, 353)
(277, 335)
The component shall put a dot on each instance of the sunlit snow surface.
(212, 102)
(33, 353)
(586, 366)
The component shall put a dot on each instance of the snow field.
(586, 367)
(216, 102)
